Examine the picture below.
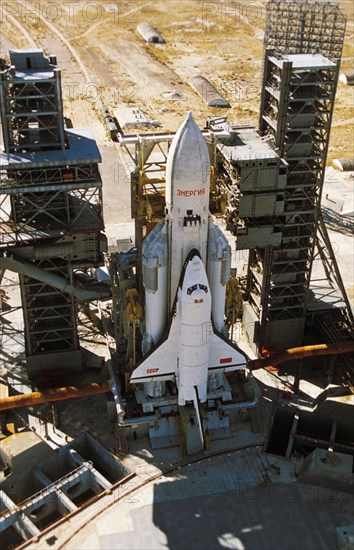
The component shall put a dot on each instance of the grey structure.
(303, 44)
(305, 27)
(31, 103)
(208, 92)
(48, 485)
(51, 206)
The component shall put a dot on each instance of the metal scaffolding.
(31, 107)
(305, 27)
(50, 315)
(296, 111)
(50, 207)
(300, 75)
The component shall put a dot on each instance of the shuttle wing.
(161, 361)
(224, 355)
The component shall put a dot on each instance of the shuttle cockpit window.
(194, 287)
(191, 289)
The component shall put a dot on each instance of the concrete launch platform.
(240, 500)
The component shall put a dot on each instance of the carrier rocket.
(186, 265)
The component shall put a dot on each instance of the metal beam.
(302, 352)
(30, 270)
(50, 396)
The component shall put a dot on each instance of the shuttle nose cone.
(194, 276)
(188, 163)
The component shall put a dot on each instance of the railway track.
(61, 37)
(11, 18)
(34, 44)
(81, 105)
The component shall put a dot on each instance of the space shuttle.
(186, 265)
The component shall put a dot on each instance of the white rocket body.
(187, 198)
(186, 265)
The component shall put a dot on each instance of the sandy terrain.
(220, 41)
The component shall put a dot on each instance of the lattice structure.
(50, 314)
(305, 27)
(31, 108)
(147, 157)
(303, 44)
(50, 206)
(337, 324)
(296, 112)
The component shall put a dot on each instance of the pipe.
(45, 251)
(50, 396)
(302, 352)
(26, 268)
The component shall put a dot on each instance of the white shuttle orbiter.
(186, 265)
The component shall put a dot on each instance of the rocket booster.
(187, 198)
(186, 265)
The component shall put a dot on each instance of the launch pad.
(267, 184)
(263, 203)
(228, 231)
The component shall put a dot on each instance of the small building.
(149, 33)
(208, 92)
(347, 78)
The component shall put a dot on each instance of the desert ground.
(222, 41)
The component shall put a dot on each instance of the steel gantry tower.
(51, 209)
(303, 45)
